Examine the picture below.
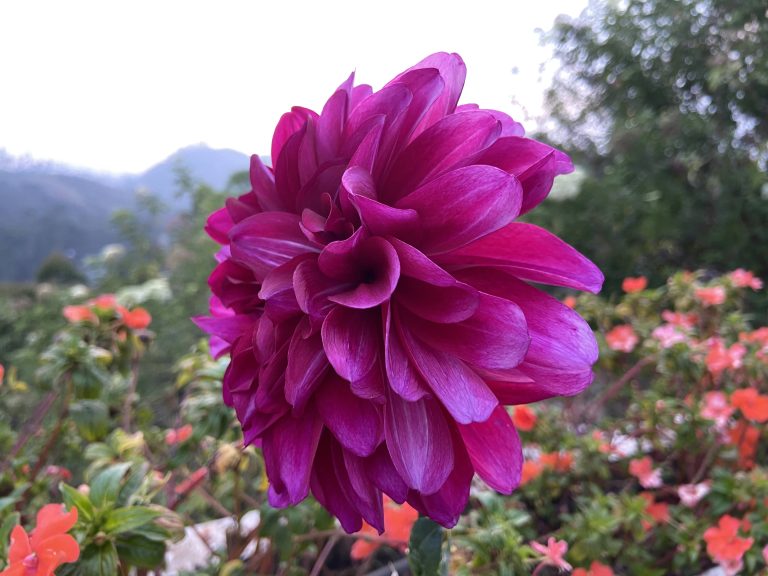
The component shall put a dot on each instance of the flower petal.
(52, 519)
(307, 366)
(419, 442)
(379, 270)
(530, 253)
(495, 450)
(20, 547)
(383, 474)
(350, 339)
(463, 205)
(403, 377)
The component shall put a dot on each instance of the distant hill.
(49, 207)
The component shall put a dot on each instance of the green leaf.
(91, 418)
(13, 497)
(106, 486)
(141, 552)
(99, 560)
(426, 546)
(123, 520)
(75, 499)
(5, 530)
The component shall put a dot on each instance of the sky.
(117, 86)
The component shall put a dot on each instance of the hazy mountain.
(48, 207)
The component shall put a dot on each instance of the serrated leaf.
(106, 486)
(126, 519)
(425, 548)
(139, 551)
(75, 499)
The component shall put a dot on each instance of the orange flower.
(631, 285)
(47, 547)
(622, 338)
(643, 470)
(104, 301)
(524, 418)
(723, 541)
(570, 301)
(741, 278)
(398, 521)
(719, 358)
(531, 470)
(753, 405)
(658, 512)
(712, 296)
(745, 437)
(759, 336)
(178, 435)
(136, 319)
(595, 569)
(76, 314)
(559, 461)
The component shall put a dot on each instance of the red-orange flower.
(622, 338)
(570, 301)
(76, 314)
(719, 358)
(531, 470)
(595, 569)
(136, 319)
(398, 521)
(745, 437)
(47, 547)
(723, 541)
(559, 461)
(658, 512)
(712, 296)
(643, 470)
(178, 435)
(104, 301)
(680, 319)
(752, 404)
(524, 418)
(631, 285)
(745, 279)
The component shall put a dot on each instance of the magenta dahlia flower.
(373, 294)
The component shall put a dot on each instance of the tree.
(58, 269)
(663, 104)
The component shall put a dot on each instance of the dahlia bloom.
(372, 292)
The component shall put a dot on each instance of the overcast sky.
(118, 86)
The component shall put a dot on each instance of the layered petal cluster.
(372, 291)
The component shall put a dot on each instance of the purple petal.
(329, 488)
(218, 225)
(355, 422)
(366, 495)
(267, 240)
(289, 450)
(307, 366)
(263, 186)
(463, 205)
(530, 253)
(372, 385)
(382, 474)
(228, 328)
(289, 124)
(495, 450)
(403, 377)
(378, 270)
(330, 125)
(446, 144)
(494, 337)
(350, 339)
(312, 290)
(463, 393)
(419, 442)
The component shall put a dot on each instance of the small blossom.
(178, 435)
(622, 338)
(398, 522)
(712, 296)
(680, 319)
(716, 408)
(631, 285)
(78, 314)
(558, 461)
(47, 547)
(668, 335)
(595, 569)
(752, 404)
(552, 554)
(658, 512)
(642, 469)
(719, 358)
(745, 437)
(570, 301)
(531, 470)
(691, 494)
(58, 472)
(136, 319)
(741, 278)
(723, 541)
(524, 418)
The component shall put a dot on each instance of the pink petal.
(463, 205)
(218, 225)
(350, 339)
(495, 450)
(382, 473)
(419, 442)
(263, 186)
(530, 253)
(307, 366)
(267, 240)
(330, 485)
(355, 422)
(379, 270)
(403, 377)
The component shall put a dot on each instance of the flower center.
(30, 564)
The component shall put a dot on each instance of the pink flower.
(719, 358)
(741, 278)
(717, 408)
(178, 435)
(622, 338)
(646, 474)
(691, 494)
(712, 296)
(680, 319)
(372, 292)
(631, 285)
(552, 554)
(668, 335)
